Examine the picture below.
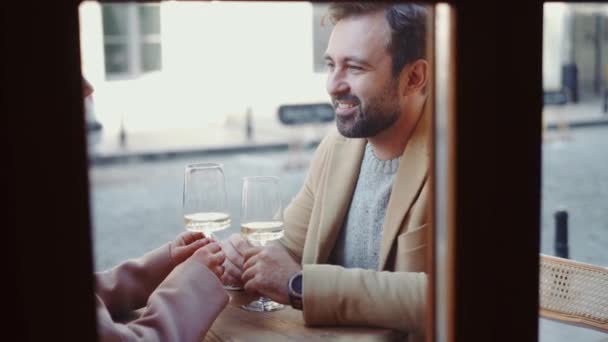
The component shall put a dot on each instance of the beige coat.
(180, 303)
(393, 296)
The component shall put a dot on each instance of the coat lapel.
(413, 168)
(343, 171)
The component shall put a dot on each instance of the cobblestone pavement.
(575, 177)
(137, 206)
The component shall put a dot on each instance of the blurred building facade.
(188, 64)
(575, 50)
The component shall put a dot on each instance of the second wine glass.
(261, 222)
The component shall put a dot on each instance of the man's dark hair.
(406, 21)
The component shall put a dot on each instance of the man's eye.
(355, 68)
(329, 66)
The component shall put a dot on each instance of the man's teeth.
(345, 105)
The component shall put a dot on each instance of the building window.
(131, 35)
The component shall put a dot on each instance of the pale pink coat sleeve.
(127, 286)
(181, 307)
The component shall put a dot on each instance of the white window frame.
(133, 40)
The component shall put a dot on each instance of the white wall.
(91, 42)
(555, 44)
(218, 59)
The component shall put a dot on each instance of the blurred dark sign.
(306, 113)
(555, 97)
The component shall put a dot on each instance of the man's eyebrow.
(355, 59)
(358, 61)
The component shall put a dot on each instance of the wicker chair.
(573, 292)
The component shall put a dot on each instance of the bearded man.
(355, 235)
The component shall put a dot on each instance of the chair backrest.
(574, 292)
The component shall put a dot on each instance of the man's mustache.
(345, 98)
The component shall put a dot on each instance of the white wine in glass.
(207, 223)
(260, 232)
(205, 200)
(261, 222)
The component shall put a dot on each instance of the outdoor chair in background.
(573, 292)
(310, 116)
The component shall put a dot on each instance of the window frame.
(134, 40)
(485, 267)
(494, 173)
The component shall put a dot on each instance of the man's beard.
(372, 118)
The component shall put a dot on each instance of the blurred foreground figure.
(177, 284)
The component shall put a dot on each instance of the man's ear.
(414, 77)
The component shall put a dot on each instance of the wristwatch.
(295, 291)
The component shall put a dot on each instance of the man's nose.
(336, 84)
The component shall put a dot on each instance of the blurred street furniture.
(307, 116)
(92, 123)
(561, 234)
(574, 293)
(570, 81)
(93, 126)
(555, 97)
(561, 122)
(560, 97)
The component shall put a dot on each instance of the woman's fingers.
(210, 255)
(190, 237)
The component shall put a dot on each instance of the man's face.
(363, 91)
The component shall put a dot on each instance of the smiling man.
(355, 235)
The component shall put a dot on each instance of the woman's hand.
(212, 257)
(185, 245)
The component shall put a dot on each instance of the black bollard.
(561, 234)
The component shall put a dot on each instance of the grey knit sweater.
(358, 244)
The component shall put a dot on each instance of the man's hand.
(185, 244)
(234, 248)
(267, 271)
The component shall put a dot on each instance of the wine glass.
(261, 222)
(205, 204)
